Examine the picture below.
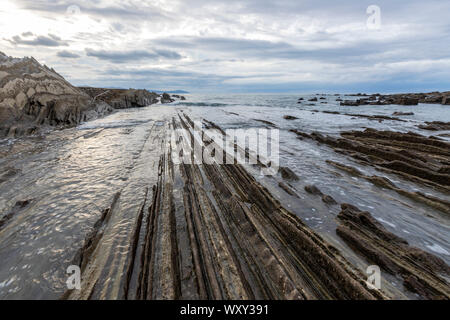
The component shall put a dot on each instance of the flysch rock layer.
(208, 231)
(33, 96)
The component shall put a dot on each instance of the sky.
(295, 46)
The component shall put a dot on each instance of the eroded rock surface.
(33, 95)
(122, 98)
(406, 99)
(413, 156)
(421, 271)
(211, 232)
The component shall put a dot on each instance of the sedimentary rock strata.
(401, 99)
(416, 157)
(122, 98)
(210, 232)
(421, 271)
(435, 126)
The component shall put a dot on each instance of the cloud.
(29, 39)
(133, 55)
(67, 54)
(244, 45)
(131, 9)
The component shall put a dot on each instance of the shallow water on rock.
(70, 176)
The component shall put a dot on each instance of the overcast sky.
(235, 46)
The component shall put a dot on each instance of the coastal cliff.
(34, 96)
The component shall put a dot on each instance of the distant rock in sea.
(405, 99)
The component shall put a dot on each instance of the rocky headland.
(34, 96)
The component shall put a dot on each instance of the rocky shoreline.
(34, 98)
(407, 99)
(230, 240)
(165, 230)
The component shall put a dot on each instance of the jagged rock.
(313, 190)
(403, 99)
(435, 126)
(122, 98)
(288, 174)
(166, 98)
(420, 270)
(290, 117)
(328, 199)
(352, 103)
(313, 99)
(232, 241)
(266, 122)
(33, 95)
(289, 190)
(410, 155)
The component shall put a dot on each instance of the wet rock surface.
(435, 126)
(122, 98)
(34, 97)
(288, 174)
(110, 197)
(420, 270)
(409, 154)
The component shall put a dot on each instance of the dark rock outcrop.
(313, 190)
(288, 174)
(410, 155)
(420, 270)
(399, 113)
(166, 98)
(435, 126)
(122, 98)
(406, 99)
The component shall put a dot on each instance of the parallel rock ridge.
(122, 98)
(422, 272)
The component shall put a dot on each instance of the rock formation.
(406, 99)
(33, 95)
(122, 98)
(420, 270)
